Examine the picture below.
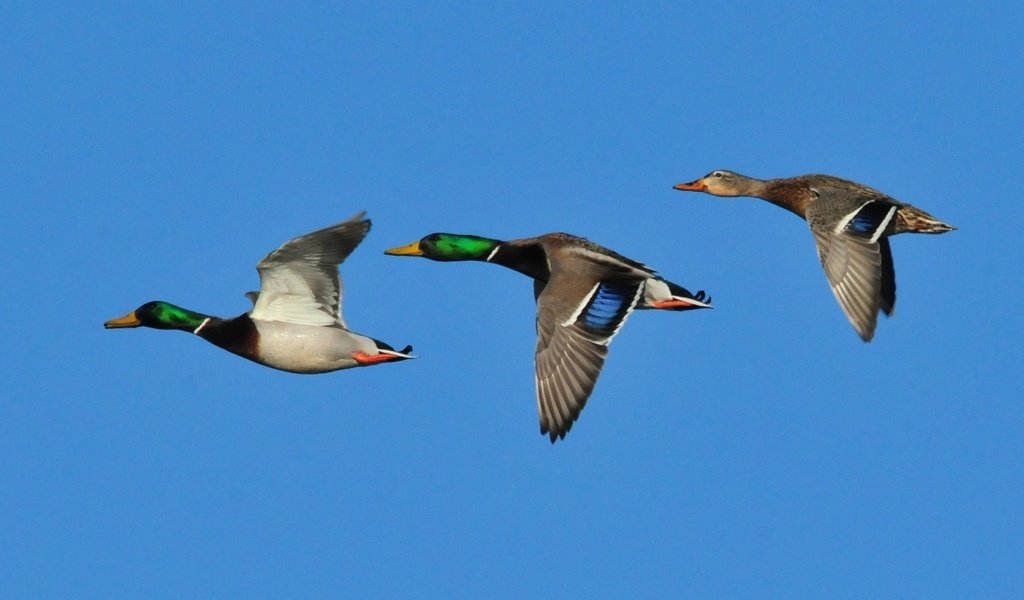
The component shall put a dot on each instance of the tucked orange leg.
(670, 304)
(372, 359)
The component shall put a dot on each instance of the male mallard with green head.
(584, 293)
(295, 323)
(851, 224)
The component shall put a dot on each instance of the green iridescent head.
(159, 315)
(448, 247)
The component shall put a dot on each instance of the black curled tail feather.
(681, 292)
(385, 346)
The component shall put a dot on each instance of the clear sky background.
(756, 450)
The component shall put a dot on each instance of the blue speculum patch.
(608, 306)
(869, 218)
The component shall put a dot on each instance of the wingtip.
(361, 219)
(865, 334)
(554, 435)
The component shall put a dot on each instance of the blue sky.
(756, 450)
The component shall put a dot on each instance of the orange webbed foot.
(365, 359)
(674, 304)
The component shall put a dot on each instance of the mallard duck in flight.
(584, 294)
(295, 323)
(851, 224)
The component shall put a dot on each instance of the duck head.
(447, 247)
(159, 315)
(720, 183)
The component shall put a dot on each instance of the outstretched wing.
(857, 260)
(576, 320)
(299, 281)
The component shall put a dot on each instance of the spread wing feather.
(854, 267)
(299, 281)
(576, 320)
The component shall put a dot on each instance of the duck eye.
(717, 174)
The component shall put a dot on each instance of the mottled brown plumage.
(851, 223)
